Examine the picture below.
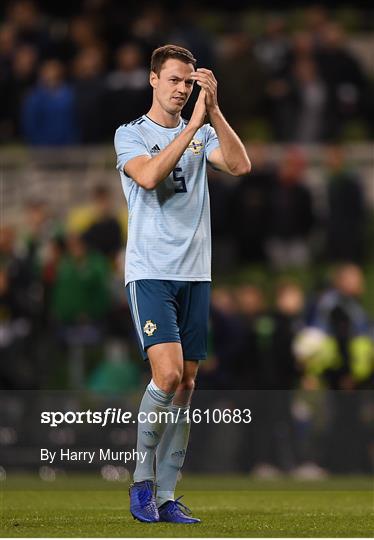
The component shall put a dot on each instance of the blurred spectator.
(119, 321)
(36, 232)
(303, 47)
(221, 192)
(291, 214)
(346, 209)
(344, 77)
(8, 42)
(117, 373)
(105, 234)
(17, 275)
(316, 19)
(187, 33)
(89, 89)
(280, 107)
(241, 79)
(15, 328)
(339, 313)
(273, 47)
(23, 77)
(54, 252)
(80, 302)
(288, 320)
(82, 34)
(251, 207)
(150, 28)
(282, 89)
(99, 211)
(81, 291)
(269, 365)
(49, 115)
(127, 88)
(16, 317)
(268, 346)
(298, 95)
(251, 308)
(310, 103)
(250, 300)
(29, 24)
(26, 259)
(223, 368)
(23, 264)
(35, 236)
(7, 48)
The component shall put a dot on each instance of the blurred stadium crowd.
(63, 303)
(293, 297)
(72, 74)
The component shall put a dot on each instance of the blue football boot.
(142, 502)
(176, 512)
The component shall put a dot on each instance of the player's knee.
(187, 384)
(171, 380)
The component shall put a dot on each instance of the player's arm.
(230, 156)
(148, 171)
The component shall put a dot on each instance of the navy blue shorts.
(165, 311)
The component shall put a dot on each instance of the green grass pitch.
(86, 506)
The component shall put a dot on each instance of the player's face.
(173, 86)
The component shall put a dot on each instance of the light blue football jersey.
(169, 227)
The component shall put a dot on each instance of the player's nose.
(182, 87)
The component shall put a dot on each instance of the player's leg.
(166, 361)
(154, 315)
(194, 314)
(173, 446)
(167, 366)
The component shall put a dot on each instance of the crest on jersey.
(150, 328)
(195, 146)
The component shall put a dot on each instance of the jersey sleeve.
(128, 144)
(211, 140)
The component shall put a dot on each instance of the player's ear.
(153, 79)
